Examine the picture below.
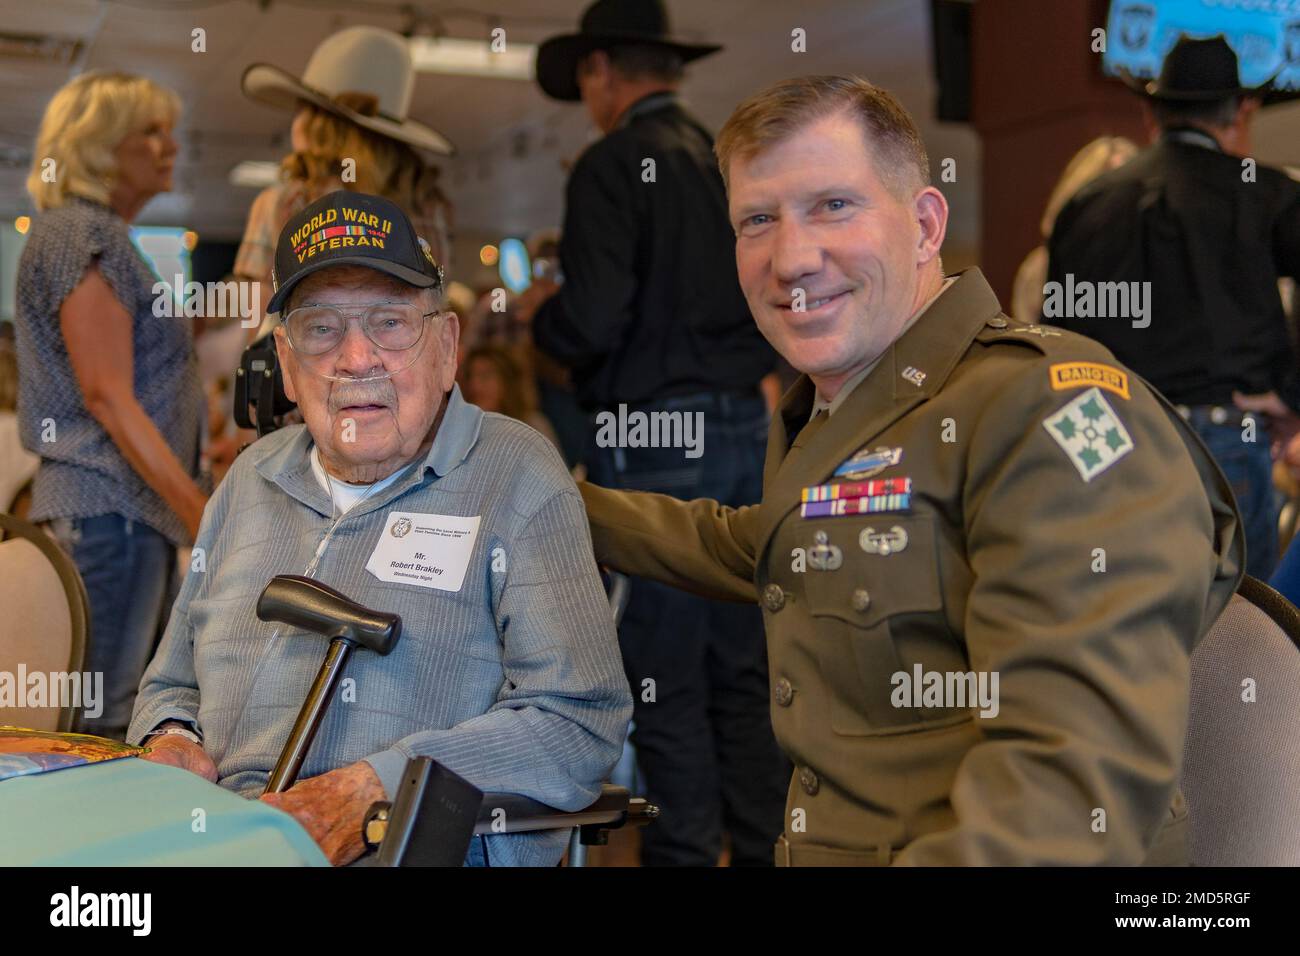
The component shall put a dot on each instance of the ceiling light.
(255, 174)
(457, 57)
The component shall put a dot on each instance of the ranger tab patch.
(1085, 374)
(1090, 432)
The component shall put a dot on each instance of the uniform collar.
(907, 374)
(820, 404)
(847, 388)
(288, 463)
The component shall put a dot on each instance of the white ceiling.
(509, 176)
(514, 142)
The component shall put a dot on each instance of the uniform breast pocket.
(877, 615)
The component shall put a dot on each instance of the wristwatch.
(189, 735)
(375, 825)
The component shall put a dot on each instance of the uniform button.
(784, 692)
(861, 599)
(997, 322)
(773, 597)
(808, 779)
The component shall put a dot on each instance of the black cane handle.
(306, 603)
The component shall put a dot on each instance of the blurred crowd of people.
(639, 318)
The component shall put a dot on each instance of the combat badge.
(1090, 433)
(865, 464)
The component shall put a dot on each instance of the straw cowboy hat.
(608, 23)
(355, 60)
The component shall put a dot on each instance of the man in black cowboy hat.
(1197, 234)
(652, 323)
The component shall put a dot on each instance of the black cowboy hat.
(605, 24)
(1198, 71)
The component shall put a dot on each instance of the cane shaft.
(309, 717)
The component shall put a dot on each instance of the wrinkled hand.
(531, 299)
(332, 808)
(175, 751)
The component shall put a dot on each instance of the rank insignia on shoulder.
(1087, 374)
(1090, 432)
(865, 464)
(1042, 331)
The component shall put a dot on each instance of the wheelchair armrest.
(611, 810)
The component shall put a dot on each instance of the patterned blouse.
(82, 472)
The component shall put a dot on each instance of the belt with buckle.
(1216, 414)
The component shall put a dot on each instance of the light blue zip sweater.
(514, 681)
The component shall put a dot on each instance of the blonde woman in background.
(1100, 156)
(108, 391)
(350, 131)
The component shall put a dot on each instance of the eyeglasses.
(392, 326)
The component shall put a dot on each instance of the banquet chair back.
(1242, 756)
(43, 626)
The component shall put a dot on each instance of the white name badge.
(429, 551)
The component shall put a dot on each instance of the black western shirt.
(1212, 235)
(651, 305)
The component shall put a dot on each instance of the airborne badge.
(1090, 432)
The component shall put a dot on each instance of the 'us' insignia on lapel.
(1090, 433)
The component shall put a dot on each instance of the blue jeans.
(705, 745)
(1249, 469)
(125, 566)
(1286, 579)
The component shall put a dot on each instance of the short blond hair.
(778, 112)
(84, 124)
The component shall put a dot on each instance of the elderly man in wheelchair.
(399, 494)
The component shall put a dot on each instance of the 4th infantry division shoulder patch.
(1090, 432)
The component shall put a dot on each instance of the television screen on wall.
(1264, 33)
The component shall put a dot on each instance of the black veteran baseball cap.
(345, 228)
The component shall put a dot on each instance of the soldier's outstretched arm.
(699, 546)
(1091, 542)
